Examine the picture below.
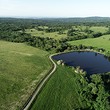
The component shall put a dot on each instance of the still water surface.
(90, 62)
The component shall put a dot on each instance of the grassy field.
(101, 42)
(54, 35)
(61, 92)
(57, 36)
(21, 67)
(101, 29)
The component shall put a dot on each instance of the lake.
(90, 62)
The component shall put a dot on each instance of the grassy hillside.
(21, 67)
(55, 35)
(101, 42)
(61, 92)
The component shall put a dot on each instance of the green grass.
(21, 68)
(54, 35)
(100, 42)
(60, 92)
(101, 29)
(57, 36)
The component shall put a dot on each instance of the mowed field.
(100, 42)
(60, 92)
(21, 68)
(54, 35)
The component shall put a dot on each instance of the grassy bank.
(21, 68)
(61, 92)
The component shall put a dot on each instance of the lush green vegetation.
(21, 68)
(61, 92)
(67, 90)
(55, 35)
(101, 29)
(49, 34)
(101, 42)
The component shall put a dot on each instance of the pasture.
(100, 42)
(21, 68)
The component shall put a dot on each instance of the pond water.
(90, 62)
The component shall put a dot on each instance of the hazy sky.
(55, 8)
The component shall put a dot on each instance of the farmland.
(21, 68)
(101, 42)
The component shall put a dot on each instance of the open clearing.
(60, 92)
(100, 42)
(54, 35)
(101, 29)
(21, 68)
(57, 36)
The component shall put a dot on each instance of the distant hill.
(58, 20)
(80, 19)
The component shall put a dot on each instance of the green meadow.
(60, 92)
(21, 68)
(101, 29)
(54, 35)
(100, 42)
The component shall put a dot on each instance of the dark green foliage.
(108, 32)
(14, 30)
(98, 34)
(95, 94)
(44, 43)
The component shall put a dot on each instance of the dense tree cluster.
(15, 32)
(94, 91)
(74, 34)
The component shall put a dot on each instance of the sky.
(54, 8)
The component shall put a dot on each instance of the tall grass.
(61, 92)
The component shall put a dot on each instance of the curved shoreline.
(84, 50)
(31, 99)
(64, 55)
(39, 86)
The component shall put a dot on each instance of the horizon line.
(39, 17)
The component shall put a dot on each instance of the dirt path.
(27, 106)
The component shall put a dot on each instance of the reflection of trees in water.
(95, 54)
(108, 58)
